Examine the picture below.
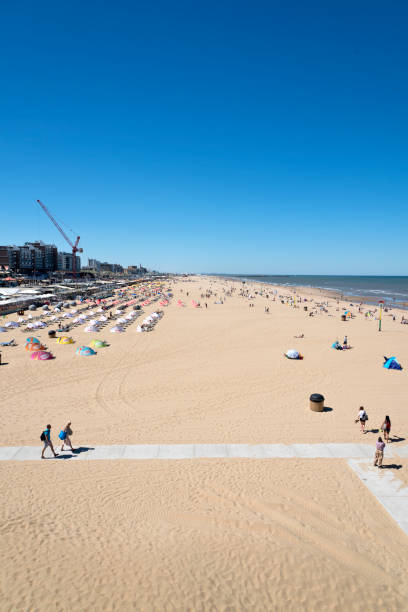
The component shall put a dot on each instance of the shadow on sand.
(77, 451)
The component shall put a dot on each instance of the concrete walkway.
(204, 451)
(387, 489)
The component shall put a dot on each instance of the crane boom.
(74, 247)
(59, 228)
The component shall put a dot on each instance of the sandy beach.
(205, 534)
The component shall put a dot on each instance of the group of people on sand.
(64, 435)
(362, 418)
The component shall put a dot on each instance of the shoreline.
(322, 291)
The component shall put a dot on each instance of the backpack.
(62, 435)
(42, 437)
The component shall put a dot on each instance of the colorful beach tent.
(41, 355)
(85, 351)
(32, 339)
(65, 340)
(98, 343)
(391, 363)
(34, 346)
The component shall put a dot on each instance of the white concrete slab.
(8, 452)
(115, 451)
(212, 451)
(348, 451)
(31, 453)
(141, 451)
(396, 506)
(385, 486)
(279, 451)
(176, 451)
(312, 451)
(249, 451)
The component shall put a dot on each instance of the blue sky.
(253, 137)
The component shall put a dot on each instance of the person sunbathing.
(300, 336)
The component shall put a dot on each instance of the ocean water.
(391, 289)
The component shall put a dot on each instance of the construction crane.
(74, 247)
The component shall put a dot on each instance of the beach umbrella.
(103, 318)
(292, 354)
(42, 355)
(32, 307)
(85, 351)
(12, 324)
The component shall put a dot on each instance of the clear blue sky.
(263, 137)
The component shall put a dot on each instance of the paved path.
(388, 490)
(205, 451)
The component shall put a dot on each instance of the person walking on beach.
(46, 438)
(64, 435)
(345, 341)
(386, 428)
(379, 452)
(362, 417)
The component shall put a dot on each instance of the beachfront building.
(94, 264)
(66, 262)
(9, 257)
(48, 258)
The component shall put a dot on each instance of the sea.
(393, 290)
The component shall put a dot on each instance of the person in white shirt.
(362, 417)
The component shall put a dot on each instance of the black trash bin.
(316, 402)
(52, 333)
(343, 317)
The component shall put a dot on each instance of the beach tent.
(85, 351)
(392, 364)
(3, 330)
(91, 328)
(42, 355)
(116, 329)
(348, 314)
(293, 354)
(98, 343)
(65, 340)
(33, 340)
(34, 346)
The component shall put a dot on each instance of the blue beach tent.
(391, 363)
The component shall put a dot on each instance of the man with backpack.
(46, 438)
